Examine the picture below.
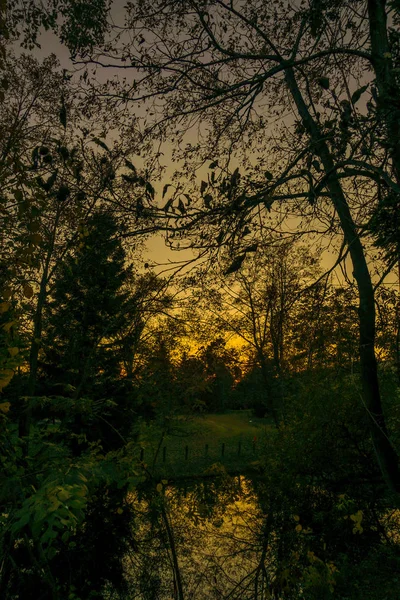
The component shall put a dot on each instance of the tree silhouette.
(238, 69)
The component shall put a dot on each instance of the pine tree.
(90, 311)
(90, 306)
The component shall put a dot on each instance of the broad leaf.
(358, 93)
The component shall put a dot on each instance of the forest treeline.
(284, 125)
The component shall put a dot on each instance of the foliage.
(60, 488)
(82, 25)
(53, 516)
(89, 306)
(331, 506)
(10, 357)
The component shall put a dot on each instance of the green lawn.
(192, 445)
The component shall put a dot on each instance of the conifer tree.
(89, 314)
(89, 306)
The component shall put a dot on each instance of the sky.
(156, 251)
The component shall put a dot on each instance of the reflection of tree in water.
(241, 539)
(223, 538)
(215, 526)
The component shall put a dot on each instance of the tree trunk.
(386, 456)
(172, 547)
(397, 350)
(25, 415)
(388, 105)
(388, 90)
(266, 375)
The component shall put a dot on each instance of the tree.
(54, 173)
(259, 303)
(220, 367)
(324, 330)
(81, 426)
(91, 307)
(80, 25)
(82, 404)
(29, 96)
(235, 67)
(156, 385)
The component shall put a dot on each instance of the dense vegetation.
(109, 359)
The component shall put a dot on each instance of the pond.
(227, 537)
(199, 540)
(240, 538)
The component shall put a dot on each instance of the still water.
(244, 538)
(202, 540)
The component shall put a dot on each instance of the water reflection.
(241, 538)
(200, 540)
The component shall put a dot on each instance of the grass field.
(234, 439)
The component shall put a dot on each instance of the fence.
(195, 458)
